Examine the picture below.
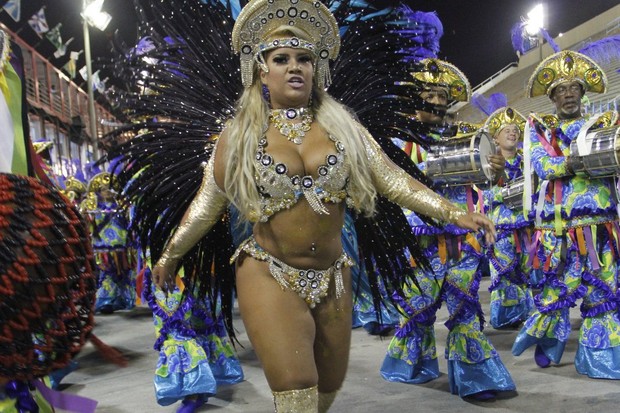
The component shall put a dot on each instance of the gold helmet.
(74, 188)
(100, 182)
(503, 117)
(251, 35)
(566, 66)
(89, 203)
(446, 75)
(75, 185)
(41, 146)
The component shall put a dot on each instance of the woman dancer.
(289, 160)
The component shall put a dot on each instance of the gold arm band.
(399, 187)
(205, 211)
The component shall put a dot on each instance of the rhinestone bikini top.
(279, 191)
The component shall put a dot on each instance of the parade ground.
(558, 388)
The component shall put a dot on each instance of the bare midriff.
(302, 238)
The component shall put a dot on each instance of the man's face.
(435, 95)
(567, 99)
(508, 138)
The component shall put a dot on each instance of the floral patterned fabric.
(115, 259)
(511, 296)
(195, 354)
(455, 257)
(583, 200)
(581, 262)
(23, 397)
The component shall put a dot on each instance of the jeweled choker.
(293, 131)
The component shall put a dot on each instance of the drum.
(602, 149)
(512, 193)
(47, 279)
(462, 160)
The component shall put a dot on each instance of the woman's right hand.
(478, 222)
(164, 275)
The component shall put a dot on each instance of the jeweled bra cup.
(279, 191)
(310, 284)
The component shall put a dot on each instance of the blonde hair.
(250, 124)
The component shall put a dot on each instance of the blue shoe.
(541, 358)
(57, 375)
(191, 405)
(484, 395)
(106, 309)
(376, 329)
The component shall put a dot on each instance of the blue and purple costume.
(575, 245)
(115, 258)
(511, 297)
(455, 256)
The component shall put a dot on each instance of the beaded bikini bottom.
(309, 284)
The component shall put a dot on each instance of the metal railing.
(53, 92)
(495, 76)
(613, 26)
(453, 106)
(602, 105)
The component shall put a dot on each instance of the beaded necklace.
(293, 131)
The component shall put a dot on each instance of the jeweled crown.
(258, 20)
(503, 117)
(441, 73)
(566, 66)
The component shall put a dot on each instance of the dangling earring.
(267, 95)
(310, 100)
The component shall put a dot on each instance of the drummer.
(511, 296)
(575, 243)
(474, 367)
(112, 243)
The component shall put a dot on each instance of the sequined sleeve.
(205, 211)
(399, 187)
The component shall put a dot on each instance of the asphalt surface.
(130, 389)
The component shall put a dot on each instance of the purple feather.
(603, 51)
(423, 28)
(114, 163)
(490, 104)
(550, 40)
(520, 43)
(92, 169)
(144, 46)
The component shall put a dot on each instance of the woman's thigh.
(333, 336)
(280, 326)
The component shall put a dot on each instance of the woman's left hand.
(477, 222)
